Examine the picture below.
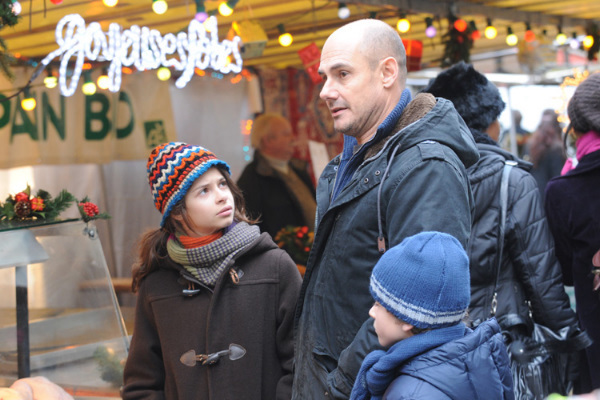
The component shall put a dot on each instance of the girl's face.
(209, 205)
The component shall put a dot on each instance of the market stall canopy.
(310, 21)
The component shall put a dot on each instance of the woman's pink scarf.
(586, 144)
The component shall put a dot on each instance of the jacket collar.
(587, 163)
(265, 169)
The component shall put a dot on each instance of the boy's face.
(389, 329)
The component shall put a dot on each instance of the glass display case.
(59, 315)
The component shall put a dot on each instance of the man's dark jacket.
(267, 196)
(426, 189)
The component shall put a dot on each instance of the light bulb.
(460, 25)
(512, 39)
(403, 25)
(588, 42)
(225, 10)
(430, 31)
(159, 6)
(529, 36)
(50, 82)
(285, 39)
(17, 8)
(28, 104)
(574, 43)
(561, 39)
(490, 32)
(103, 81)
(163, 73)
(88, 88)
(343, 11)
(110, 3)
(201, 16)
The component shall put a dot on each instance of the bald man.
(401, 172)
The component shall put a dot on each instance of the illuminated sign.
(143, 48)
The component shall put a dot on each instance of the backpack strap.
(508, 165)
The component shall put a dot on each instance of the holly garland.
(457, 44)
(90, 211)
(25, 208)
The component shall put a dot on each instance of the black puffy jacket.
(530, 270)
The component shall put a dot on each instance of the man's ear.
(389, 71)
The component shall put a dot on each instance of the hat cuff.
(412, 314)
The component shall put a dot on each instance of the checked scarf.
(207, 263)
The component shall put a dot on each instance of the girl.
(216, 298)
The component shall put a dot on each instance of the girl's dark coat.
(257, 313)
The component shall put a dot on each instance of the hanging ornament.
(457, 43)
(56, 1)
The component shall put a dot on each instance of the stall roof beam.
(442, 8)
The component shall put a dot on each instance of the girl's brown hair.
(152, 246)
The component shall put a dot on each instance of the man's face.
(280, 142)
(352, 91)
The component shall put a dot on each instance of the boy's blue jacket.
(473, 367)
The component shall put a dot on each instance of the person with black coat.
(574, 215)
(530, 280)
(277, 187)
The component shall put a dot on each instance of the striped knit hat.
(424, 280)
(173, 168)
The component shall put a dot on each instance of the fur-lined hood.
(428, 118)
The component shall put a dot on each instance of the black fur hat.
(476, 99)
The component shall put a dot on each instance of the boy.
(422, 291)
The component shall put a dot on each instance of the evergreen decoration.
(25, 209)
(109, 365)
(7, 18)
(457, 44)
(296, 241)
(89, 211)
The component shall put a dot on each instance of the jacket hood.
(443, 125)
(480, 356)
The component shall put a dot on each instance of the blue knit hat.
(424, 280)
(173, 168)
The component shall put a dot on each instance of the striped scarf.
(207, 263)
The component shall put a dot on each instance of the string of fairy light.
(490, 32)
(285, 39)
(90, 86)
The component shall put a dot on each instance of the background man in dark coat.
(276, 187)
